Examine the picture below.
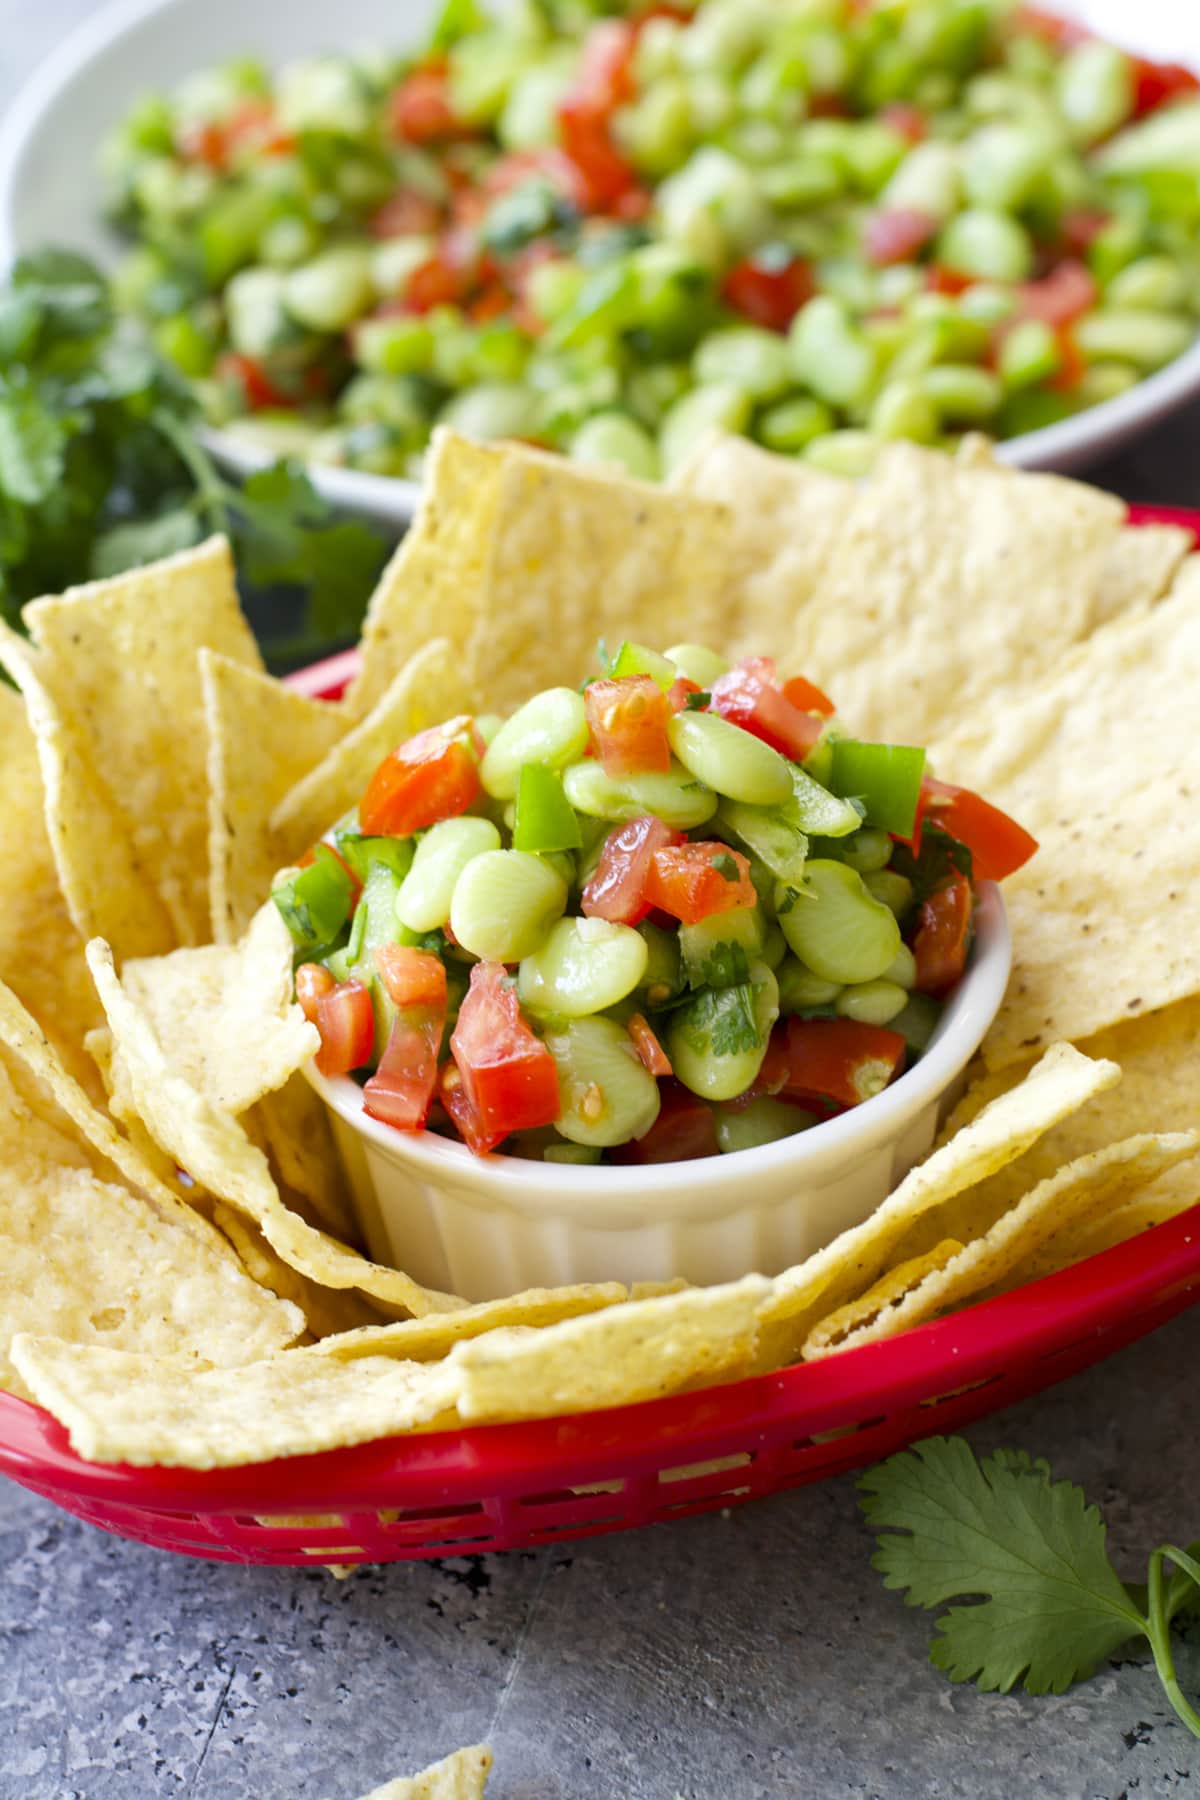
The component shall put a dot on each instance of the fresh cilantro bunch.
(1028, 1553)
(101, 468)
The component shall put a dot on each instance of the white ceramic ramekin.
(489, 1226)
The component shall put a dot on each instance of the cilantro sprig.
(101, 467)
(1045, 1605)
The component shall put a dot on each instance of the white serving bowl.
(49, 138)
(486, 1226)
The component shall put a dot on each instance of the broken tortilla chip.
(424, 1340)
(462, 1776)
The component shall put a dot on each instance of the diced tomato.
(448, 277)
(1072, 366)
(895, 234)
(1080, 226)
(346, 1022)
(1060, 297)
(257, 386)
(313, 983)
(1156, 83)
(452, 1092)
(406, 214)
(494, 302)
(806, 696)
(603, 82)
(509, 1075)
(646, 1043)
(412, 978)
(251, 126)
(401, 1090)
(679, 691)
(420, 110)
(911, 123)
(941, 280)
(998, 845)
(433, 776)
(840, 1060)
(627, 718)
(940, 944)
(768, 291)
(693, 881)
(617, 888)
(747, 696)
(684, 1130)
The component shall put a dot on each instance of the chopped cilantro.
(697, 702)
(725, 966)
(721, 1021)
(725, 865)
(941, 856)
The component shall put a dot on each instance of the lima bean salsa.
(821, 223)
(676, 913)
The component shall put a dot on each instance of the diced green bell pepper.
(885, 777)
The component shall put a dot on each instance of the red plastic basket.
(503, 1487)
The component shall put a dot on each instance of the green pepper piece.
(636, 659)
(885, 777)
(545, 819)
(315, 901)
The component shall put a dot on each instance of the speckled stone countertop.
(748, 1656)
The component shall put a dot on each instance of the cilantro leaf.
(32, 447)
(725, 866)
(721, 1021)
(725, 965)
(1030, 1552)
(697, 702)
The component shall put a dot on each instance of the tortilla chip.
(1092, 1186)
(1165, 1198)
(577, 555)
(228, 1013)
(329, 1312)
(462, 1776)
(41, 953)
(262, 737)
(59, 1097)
(294, 1128)
(117, 661)
(433, 586)
(212, 1146)
(1102, 764)
(1140, 566)
(91, 1262)
(1057, 1086)
(785, 519)
(122, 1407)
(638, 1351)
(428, 689)
(882, 1296)
(946, 585)
(424, 1340)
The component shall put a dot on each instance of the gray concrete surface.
(726, 1658)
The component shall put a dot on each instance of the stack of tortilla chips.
(181, 1279)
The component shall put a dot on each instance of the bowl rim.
(1066, 445)
(527, 1185)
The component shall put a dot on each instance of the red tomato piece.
(406, 214)
(1072, 365)
(1080, 226)
(768, 292)
(807, 697)
(747, 696)
(627, 718)
(313, 983)
(940, 944)
(346, 1022)
(941, 280)
(448, 277)
(908, 120)
(433, 776)
(896, 234)
(617, 888)
(998, 845)
(494, 302)
(452, 1092)
(645, 1042)
(420, 109)
(415, 978)
(508, 1073)
(1050, 27)
(679, 691)
(1059, 297)
(251, 376)
(603, 82)
(693, 881)
(685, 1129)
(401, 1090)
(840, 1060)
(1156, 83)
